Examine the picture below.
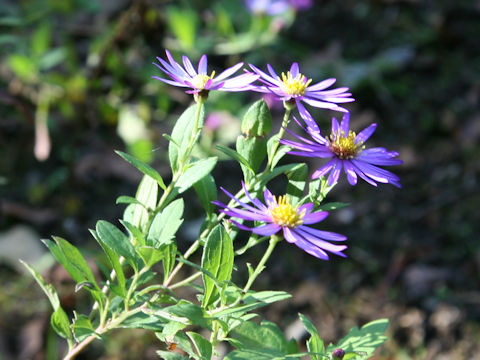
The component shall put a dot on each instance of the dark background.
(413, 67)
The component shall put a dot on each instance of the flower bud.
(338, 354)
(257, 121)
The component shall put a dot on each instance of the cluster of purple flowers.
(343, 148)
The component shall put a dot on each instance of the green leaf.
(296, 184)
(123, 199)
(143, 167)
(170, 254)
(82, 327)
(253, 301)
(235, 155)
(315, 343)
(59, 319)
(279, 154)
(165, 224)
(207, 192)
(182, 134)
(24, 67)
(192, 312)
(114, 262)
(150, 255)
(147, 193)
(136, 235)
(117, 241)
(333, 206)
(363, 341)
(218, 259)
(168, 355)
(196, 171)
(72, 260)
(254, 150)
(52, 58)
(277, 171)
(202, 346)
(264, 337)
(183, 24)
(60, 323)
(143, 321)
(257, 121)
(41, 38)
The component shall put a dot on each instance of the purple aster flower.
(198, 80)
(269, 7)
(295, 87)
(280, 215)
(346, 150)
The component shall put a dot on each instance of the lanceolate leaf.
(165, 224)
(59, 318)
(116, 240)
(235, 155)
(297, 177)
(218, 259)
(144, 168)
(203, 347)
(182, 134)
(147, 195)
(315, 343)
(72, 260)
(363, 341)
(114, 259)
(195, 172)
(207, 192)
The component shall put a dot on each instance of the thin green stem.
(261, 265)
(186, 281)
(281, 132)
(274, 239)
(101, 329)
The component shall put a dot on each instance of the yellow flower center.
(199, 81)
(294, 85)
(284, 214)
(344, 146)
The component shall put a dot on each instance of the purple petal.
(294, 70)
(308, 207)
(307, 117)
(265, 76)
(202, 65)
(245, 205)
(231, 70)
(267, 230)
(289, 235)
(269, 198)
(315, 217)
(171, 82)
(351, 175)
(335, 174)
(323, 104)
(272, 71)
(239, 82)
(322, 85)
(345, 124)
(188, 66)
(310, 248)
(365, 133)
(324, 169)
(362, 175)
(325, 245)
(326, 235)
